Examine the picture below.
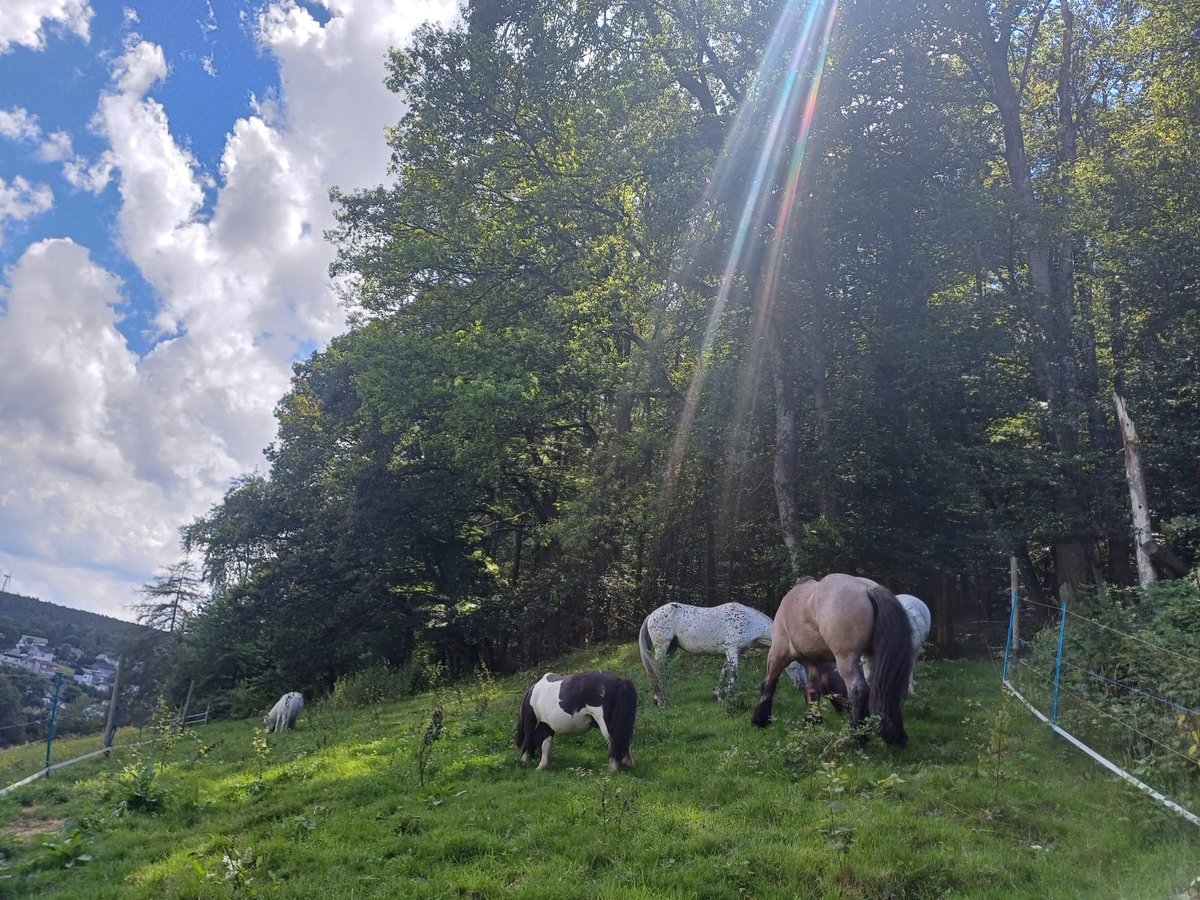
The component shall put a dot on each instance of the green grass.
(984, 802)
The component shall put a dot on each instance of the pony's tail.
(624, 713)
(891, 646)
(526, 722)
(648, 660)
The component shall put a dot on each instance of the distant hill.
(90, 632)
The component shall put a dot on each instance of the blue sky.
(164, 177)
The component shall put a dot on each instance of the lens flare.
(789, 74)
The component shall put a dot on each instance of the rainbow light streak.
(798, 31)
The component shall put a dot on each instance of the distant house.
(41, 667)
(94, 677)
(107, 659)
(43, 652)
(28, 640)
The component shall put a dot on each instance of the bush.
(375, 684)
(1125, 653)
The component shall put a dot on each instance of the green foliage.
(136, 788)
(433, 732)
(375, 684)
(1125, 653)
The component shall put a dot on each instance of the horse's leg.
(849, 666)
(546, 744)
(812, 696)
(660, 657)
(729, 673)
(777, 660)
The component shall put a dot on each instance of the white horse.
(284, 712)
(919, 621)
(727, 629)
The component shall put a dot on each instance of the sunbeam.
(790, 75)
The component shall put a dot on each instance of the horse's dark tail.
(892, 649)
(526, 723)
(648, 660)
(620, 719)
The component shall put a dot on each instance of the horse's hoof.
(614, 766)
(543, 767)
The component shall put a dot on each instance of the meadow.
(377, 802)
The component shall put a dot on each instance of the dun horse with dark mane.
(841, 617)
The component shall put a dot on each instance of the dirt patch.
(27, 828)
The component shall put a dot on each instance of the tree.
(172, 598)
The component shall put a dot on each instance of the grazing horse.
(574, 704)
(919, 619)
(726, 629)
(841, 617)
(284, 712)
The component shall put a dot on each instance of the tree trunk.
(1051, 287)
(784, 473)
(1137, 492)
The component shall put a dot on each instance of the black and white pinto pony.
(841, 618)
(920, 620)
(555, 704)
(726, 630)
(285, 712)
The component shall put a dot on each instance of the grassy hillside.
(983, 803)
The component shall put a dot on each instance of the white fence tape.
(1108, 764)
(66, 762)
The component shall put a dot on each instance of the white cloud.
(20, 200)
(56, 147)
(90, 177)
(19, 124)
(24, 21)
(114, 452)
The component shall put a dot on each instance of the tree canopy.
(679, 300)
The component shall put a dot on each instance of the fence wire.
(1061, 676)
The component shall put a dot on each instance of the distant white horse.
(919, 620)
(284, 712)
(727, 629)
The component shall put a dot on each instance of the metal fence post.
(1062, 629)
(53, 719)
(1012, 616)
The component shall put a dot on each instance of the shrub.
(375, 684)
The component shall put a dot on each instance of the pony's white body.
(920, 621)
(285, 711)
(725, 630)
(547, 706)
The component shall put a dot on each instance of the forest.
(683, 299)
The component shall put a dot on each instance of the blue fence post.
(1012, 615)
(53, 719)
(1062, 629)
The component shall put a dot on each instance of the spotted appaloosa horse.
(574, 704)
(727, 629)
(841, 617)
(284, 712)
